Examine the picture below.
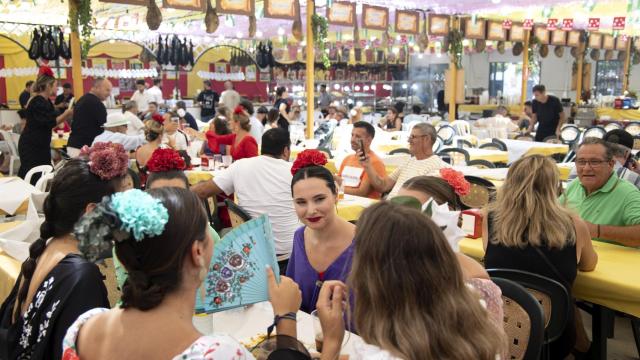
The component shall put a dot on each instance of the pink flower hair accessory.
(456, 180)
(106, 160)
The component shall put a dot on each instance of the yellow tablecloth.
(489, 155)
(614, 283)
(196, 176)
(351, 207)
(513, 109)
(22, 209)
(618, 114)
(57, 143)
(9, 267)
(549, 150)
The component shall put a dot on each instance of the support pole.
(453, 70)
(310, 73)
(525, 70)
(76, 54)
(627, 63)
(579, 72)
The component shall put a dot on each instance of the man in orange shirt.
(354, 178)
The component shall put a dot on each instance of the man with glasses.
(609, 205)
(422, 161)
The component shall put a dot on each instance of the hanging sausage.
(154, 15)
(296, 28)
(191, 56)
(211, 20)
(165, 56)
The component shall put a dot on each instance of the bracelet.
(598, 226)
(277, 318)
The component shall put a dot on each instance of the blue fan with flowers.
(237, 273)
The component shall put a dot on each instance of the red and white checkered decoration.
(567, 24)
(527, 24)
(506, 24)
(594, 24)
(619, 23)
(552, 24)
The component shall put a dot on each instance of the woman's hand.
(330, 307)
(285, 297)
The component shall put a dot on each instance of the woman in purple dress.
(323, 248)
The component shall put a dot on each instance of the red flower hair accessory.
(456, 180)
(308, 158)
(45, 71)
(158, 118)
(238, 110)
(107, 160)
(163, 160)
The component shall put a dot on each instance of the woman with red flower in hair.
(323, 247)
(243, 145)
(34, 146)
(166, 169)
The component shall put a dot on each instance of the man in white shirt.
(422, 162)
(262, 185)
(229, 98)
(173, 137)
(140, 96)
(154, 93)
(135, 126)
(115, 131)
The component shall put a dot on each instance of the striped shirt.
(414, 167)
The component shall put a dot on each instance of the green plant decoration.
(82, 19)
(320, 27)
(455, 46)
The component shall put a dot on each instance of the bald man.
(89, 114)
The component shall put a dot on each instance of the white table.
(246, 323)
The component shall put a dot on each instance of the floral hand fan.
(237, 273)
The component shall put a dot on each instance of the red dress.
(246, 148)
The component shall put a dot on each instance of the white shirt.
(270, 195)
(230, 99)
(135, 125)
(142, 99)
(257, 129)
(129, 142)
(430, 166)
(179, 138)
(155, 94)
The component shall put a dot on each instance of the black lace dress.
(34, 146)
(73, 287)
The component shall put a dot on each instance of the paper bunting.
(552, 24)
(221, 76)
(567, 24)
(618, 23)
(594, 24)
(506, 24)
(527, 24)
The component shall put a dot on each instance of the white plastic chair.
(12, 141)
(43, 183)
(42, 169)
(462, 127)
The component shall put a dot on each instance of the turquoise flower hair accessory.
(139, 213)
(118, 218)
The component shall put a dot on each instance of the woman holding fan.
(323, 248)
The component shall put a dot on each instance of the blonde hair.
(153, 130)
(410, 296)
(526, 210)
(42, 82)
(243, 119)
